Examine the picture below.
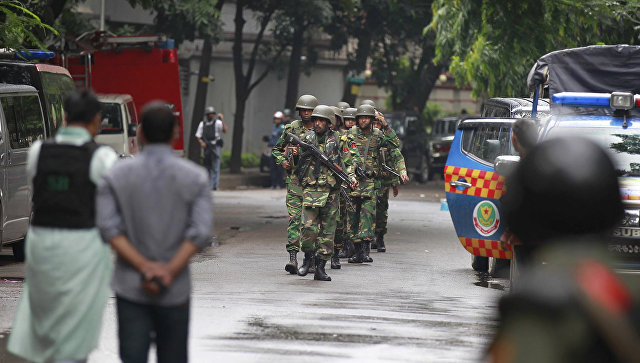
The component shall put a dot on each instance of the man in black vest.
(209, 135)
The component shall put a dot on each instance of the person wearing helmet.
(287, 156)
(209, 135)
(368, 102)
(287, 116)
(342, 231)
(339, 120)
(368, 141)
(321, 190)
(568, 305)
(276, 171)
(342, 105)
(390, 153)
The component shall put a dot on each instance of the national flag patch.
(346, 149)
(353, 146)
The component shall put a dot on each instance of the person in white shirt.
(209, 135)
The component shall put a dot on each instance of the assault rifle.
(386, 167)
(319, 155)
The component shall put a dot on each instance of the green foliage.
(20, 28)
(432, 111)
(492, 44)
(249, 160)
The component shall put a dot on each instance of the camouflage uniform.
(294, 189)
(320, 196)
(394, 159)
(346, 141)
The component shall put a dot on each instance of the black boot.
(358, 257)
(347, 250)
(335, 261)
(292, 266)
(367, 249)
(381, 247)
(374, 242)
(306, 264)
(320, 274)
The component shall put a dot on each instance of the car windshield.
(444, 127)
(624, 144)
(396, 122)
(111, 118)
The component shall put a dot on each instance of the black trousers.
(140, 324)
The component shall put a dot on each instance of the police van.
(594, 94)
(119, 123)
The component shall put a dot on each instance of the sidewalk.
(248, 178)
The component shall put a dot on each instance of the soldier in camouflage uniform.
(393, 157)
(342, 229)
(361, 221)
(320, 194)
(286, 155)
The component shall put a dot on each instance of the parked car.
(413, 142)
(439, 143)
(119, 124)
(21, 123)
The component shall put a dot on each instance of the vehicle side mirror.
(132, 130)
(265, 138)
(505, 165)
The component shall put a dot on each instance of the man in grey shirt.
(156, 211)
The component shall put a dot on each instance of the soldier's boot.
(312, 266)
(306, 264)
(335, 260)
(367, 249)
(292, 266)
(358, 256)
(348, 250)
(320, 274)
(380, 239)
(374, 242)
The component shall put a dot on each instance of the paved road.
(418, 302)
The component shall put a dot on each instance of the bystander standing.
(156, 212)
(276, 171)
(209, 135)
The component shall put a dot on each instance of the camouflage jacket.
(368, 145)
(279, 153)
(395, 160)
(316, 178)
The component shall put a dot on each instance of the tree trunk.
(200, 99)
(238, 131)
(240, 85)
(293, 79)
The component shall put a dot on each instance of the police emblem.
(486, 218)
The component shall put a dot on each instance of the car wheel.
(423, 171)
(479, 263)
(18, 251)
(498, 267)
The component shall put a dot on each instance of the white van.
(119, 124)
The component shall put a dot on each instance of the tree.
(21, 28)
(269, 52)
(492, 44)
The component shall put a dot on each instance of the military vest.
(63, 193)
(313, 173)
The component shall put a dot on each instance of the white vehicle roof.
(114, 98)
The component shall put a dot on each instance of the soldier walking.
(342, 229)
(321, 190)
(287, 156)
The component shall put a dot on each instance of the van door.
(24, 122)
(473, 188)
(133, 120)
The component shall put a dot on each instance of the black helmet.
(563, 188)
(306, 102)
(342, 105)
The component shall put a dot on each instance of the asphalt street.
(418, 302)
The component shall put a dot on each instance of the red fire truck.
(145, 67)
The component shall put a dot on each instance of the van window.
(24, 120)
(56, 86)
(132, 112)
(486, 143)
(111, 119)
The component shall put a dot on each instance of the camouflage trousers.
(342, 229)
(361, 221)
(294, 207)
(382, 209)
(319, 227)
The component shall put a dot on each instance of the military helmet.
(342, 105)
(209, 110)
(306, 102)
(551, 198)
(325, 112)
(338, 113)
(287, 112)
(349, 113)
(365, 110)
(368, 102)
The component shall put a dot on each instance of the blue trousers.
(140, 324)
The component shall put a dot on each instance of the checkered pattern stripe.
(486, 248)
(485, 184)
